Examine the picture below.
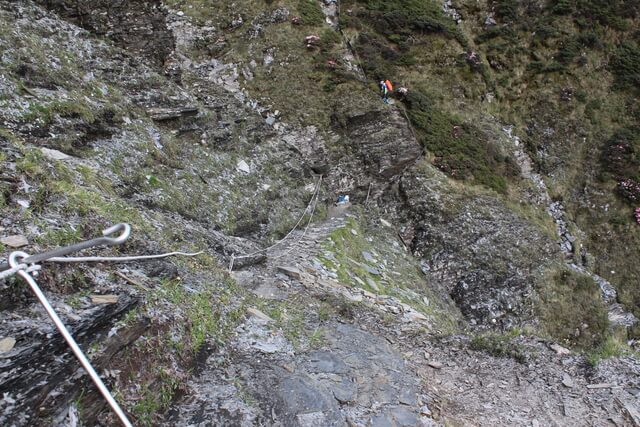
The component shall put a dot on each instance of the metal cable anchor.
(66, 250)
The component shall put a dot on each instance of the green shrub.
(375, 56)
(499, 346)
(401, 16)
(572, 311)
(625, 65)
(507, 10)
(581, 96)
(328, 39)
(568, 51)
(555, 67)
(543, 33)
(621, 153)
(590, 39)
(560, 7)
(310, 12)
(536, 67)
(461, 150)
(611, 13)
(497, 32)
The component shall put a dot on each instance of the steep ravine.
(576, 257)
(414, 305)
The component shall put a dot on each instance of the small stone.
(567, 381)
(16, 241)
(242, 166)
(600, 385)
(414, 316)
(368, 257)
(560, 349)
(266, 347)
(368, 294)
(7, 344)
(385, 223)
(270, 120)
(104, 299)
(404, 416)
(435, 365)
(54, 154)
(381, 420)
(407, 397)
(373, 285)
(354, 232)
(291, 272)
(353, 297)
(426, 355)
(372, 270)
(254, 312)
(311, 419)
(180, 13)
(24, 203)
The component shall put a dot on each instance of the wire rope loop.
(126, 231)
(13, 260)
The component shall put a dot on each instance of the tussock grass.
(571, 309)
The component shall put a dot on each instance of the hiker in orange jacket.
(385, 88)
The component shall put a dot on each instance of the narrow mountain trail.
(341, 373)
(317, 352)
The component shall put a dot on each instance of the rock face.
(380, 140)
(137, 26)
(38, 376)
(483, 254)
(353, 373)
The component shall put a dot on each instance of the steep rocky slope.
(438, 297)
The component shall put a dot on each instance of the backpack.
(389, 85)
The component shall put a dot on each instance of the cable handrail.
(312, 202)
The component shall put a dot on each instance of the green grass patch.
(61, 237)
(156, 400)
(396, 273)
(69, 109)
(614, 346)
(500, 345)
(571, 309)
(625, 65)
(202, 313)
(310, 12)
(398, 17)
(461, 150)
(291, 317)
